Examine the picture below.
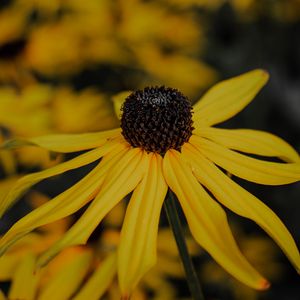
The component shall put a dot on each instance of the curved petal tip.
(265, 73)
(264, 284)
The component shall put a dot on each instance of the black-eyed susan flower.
(165, 143)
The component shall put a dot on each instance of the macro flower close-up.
(164, 143)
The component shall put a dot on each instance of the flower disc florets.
(157, 119)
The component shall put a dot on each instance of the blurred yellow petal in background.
(175, 70)
(85, 111)
(12, 23)
(47, 109)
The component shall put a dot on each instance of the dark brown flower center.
(157, 119)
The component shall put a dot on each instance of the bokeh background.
(64, 63)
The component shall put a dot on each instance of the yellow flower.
(59, 280)
(46, 109)
(32, 244)
(146, 22)
(162, 146)
(124, 34)
(44, 8)
(84, 111)
(47, 57)
(26, 106)
(102, 280)
(12, 22)
(18, 265)
(84, 272)
(174, 69)
(168, 265)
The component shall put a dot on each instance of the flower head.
(184, 154)
(157, 119)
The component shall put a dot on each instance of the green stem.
(175, 224)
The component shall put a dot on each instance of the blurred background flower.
(62, 62)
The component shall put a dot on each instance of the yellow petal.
(245, 167)
(66, 142)
(251, 141)
(5, 187)
(100, 280)
(26, 182)
(8, 162)
(65, 203)
(120, 181)
(207, 221)
(2, 296)
(229, 97)
(68, 278)
(8, 264)
(242, 202)
(24, 281)
(138, 243)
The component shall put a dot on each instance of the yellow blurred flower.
(12, 24)
(45, 8)
(18, 265)
(47, 57)
(46, 109)
(59, 280)
(151, 22)
(182, 68)
(34, 243)
(28, 106)
(87, 110)
(113, 33)
(18, 109)
(163, 145)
